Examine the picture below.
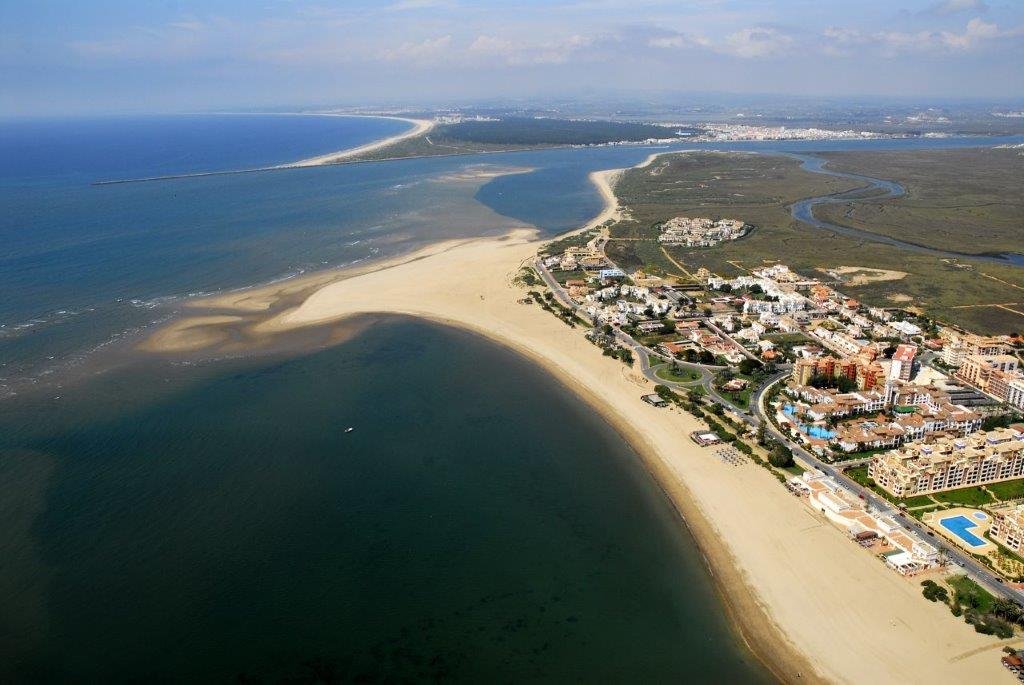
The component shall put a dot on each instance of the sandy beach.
(810, 603)
(419, 127)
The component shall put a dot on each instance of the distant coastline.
(419, 127)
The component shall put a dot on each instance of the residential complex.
(958, 346)
(949, 463)
(700, 232)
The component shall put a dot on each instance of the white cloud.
(520, 52)
(976, 33)
(758, 42)
(427, 50)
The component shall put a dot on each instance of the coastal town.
(903, 432)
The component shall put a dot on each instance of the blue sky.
(63, 56)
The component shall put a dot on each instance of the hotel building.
(950, 462)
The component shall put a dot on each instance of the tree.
(693, 396)
(780, 456)
(748, 366)
(726, 288)
(706, 357)
(1008, 609)
(762, 435)
(669, 324)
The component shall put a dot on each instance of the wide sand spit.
(811, 604)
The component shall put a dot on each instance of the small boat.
(349, 429)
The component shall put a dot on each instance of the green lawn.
(972, 594)
(850, 456)
(687, 375)
(919, 501)
(968, 497)
(1010, 489)
(563, 276)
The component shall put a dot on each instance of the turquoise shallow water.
(479, 525)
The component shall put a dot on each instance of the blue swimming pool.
(958, 526)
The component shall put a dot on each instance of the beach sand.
(810, 603)
(420, 127)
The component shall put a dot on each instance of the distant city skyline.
(61, 57)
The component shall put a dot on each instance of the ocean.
(213, 523)
(212, 520)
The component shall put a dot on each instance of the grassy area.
(965, 200)
(576, 240)
(919, 501)
(972, 594)
(687, 375)
(850, 456)
(967, 497)
(1010, 489)
(781, 339)
(758, 190)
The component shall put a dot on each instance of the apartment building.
(950, 462)
(1008, 528)
(977, 369)
(959, 346)
(902, 365)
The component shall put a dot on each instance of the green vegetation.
(780, 456)
(563, 276)
(934, 592)
(530, 131)
(1007, 490)
(528, 277)
(758, 189)
(966, 200)
(969, 593)
(677, 373)
(515, 133)
(967, 497)
(573, 240)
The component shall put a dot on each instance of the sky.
(105, 56)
